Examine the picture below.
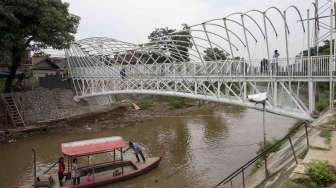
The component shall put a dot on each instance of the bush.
(145, 103)
(320, 172)
(321, 104)
(326, 134)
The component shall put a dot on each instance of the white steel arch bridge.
(215, 60)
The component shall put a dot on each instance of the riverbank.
(322, 150)
(199, 147)
(322, 141)
(43, 112)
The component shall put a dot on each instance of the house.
(48, 66)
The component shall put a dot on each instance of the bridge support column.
(331, 61)
(245, 90)
(331, 95)
(311, 96)
(275, 93)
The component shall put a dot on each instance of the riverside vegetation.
(173, 102)
(319, 173)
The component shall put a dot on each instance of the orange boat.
(115, 170)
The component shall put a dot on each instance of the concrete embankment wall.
(43, 104)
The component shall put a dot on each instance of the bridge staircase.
(12, 108)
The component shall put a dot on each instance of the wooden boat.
(103, 173)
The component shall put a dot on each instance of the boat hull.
(142, 168)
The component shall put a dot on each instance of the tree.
(33, 25)
(175, 43)
(212, 54)
(323, 50)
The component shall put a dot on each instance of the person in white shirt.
(75, 172)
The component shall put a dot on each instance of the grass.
(268, 145)
(288, 184)
(326, 134)
(331, 122)
(175, 102)
(145, 103)
(257, 165)
(323, 93)
(262, 148)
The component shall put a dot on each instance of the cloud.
(133, 20)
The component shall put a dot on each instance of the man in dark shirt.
(137, 151)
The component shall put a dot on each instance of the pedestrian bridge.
(208, 61)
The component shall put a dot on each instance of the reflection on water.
(198, 149)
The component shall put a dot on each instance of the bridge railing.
(318, 66)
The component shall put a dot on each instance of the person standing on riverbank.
(61, 169)
(137, 151)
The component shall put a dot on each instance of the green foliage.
(321, 104)
(268, 145)
(44, 22)
(322, 94)
(175, 102)
(320, 172)
(212, 54)
(176, 42)
(145, 103)
(288, 184)
(323, 50)
(326, 134)
(33, 25)
(257, 165)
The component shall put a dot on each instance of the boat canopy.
(93, 146)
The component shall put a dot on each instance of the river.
(199, 148)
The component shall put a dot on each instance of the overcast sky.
(133, 20)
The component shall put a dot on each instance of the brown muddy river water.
(198, 148)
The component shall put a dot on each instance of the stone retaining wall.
(42, 104)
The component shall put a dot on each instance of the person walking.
(275, 62)
(61, 169)
(137, 151)
(75, 173)
(123, 73)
